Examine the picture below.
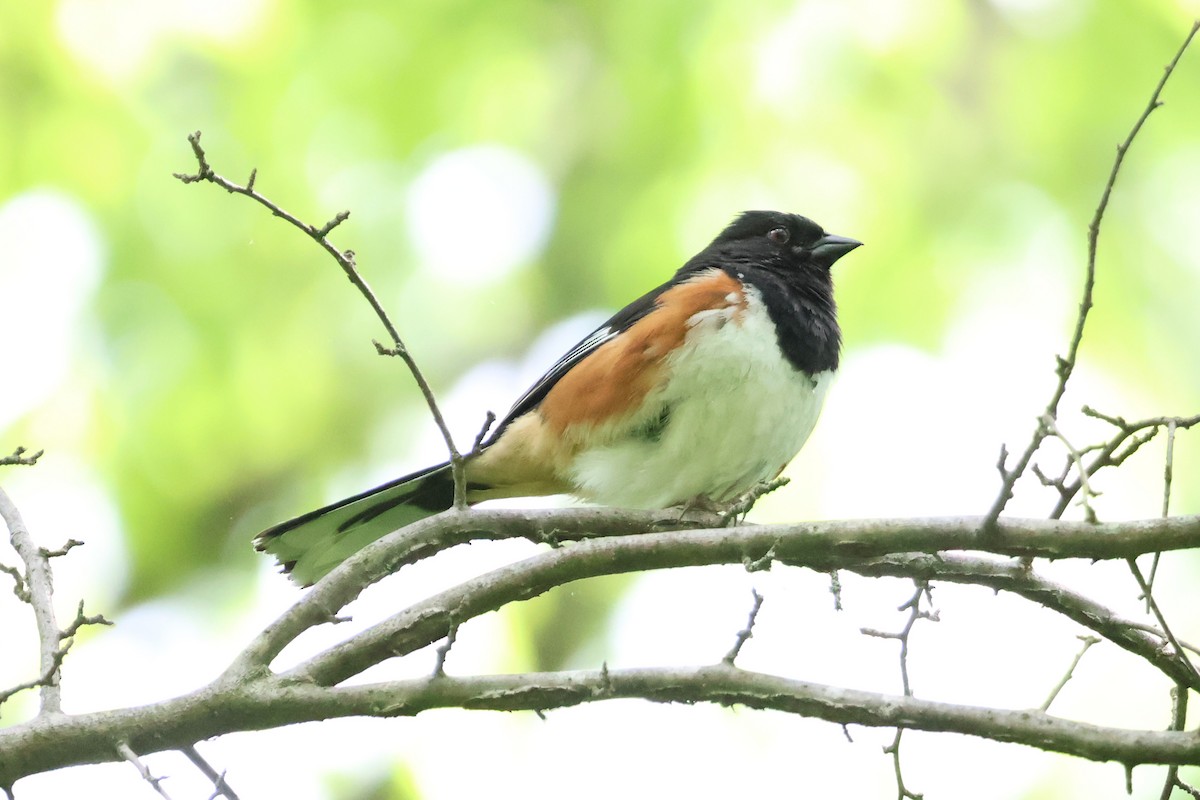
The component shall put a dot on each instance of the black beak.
(830, 248)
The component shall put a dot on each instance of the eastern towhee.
(693, 393)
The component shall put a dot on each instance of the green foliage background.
(224, 365)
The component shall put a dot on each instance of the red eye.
(779, 235)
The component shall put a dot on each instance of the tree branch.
(250, 697)
(818, 546)
(18, 457)
(1140, 639)
(345, 260)
(266, 703)
(821, 546)
(1066, 365)
(39, 593)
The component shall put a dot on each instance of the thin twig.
(1148, 628)
(443, 650)
(1128, 439)
(18, 457)
(80, 620)
(126, 752)
(1088, 641)
(40, 586)
(67, 547)
(835, 589)
(1187, 787)
(19, 587)
(1081, 469)
(1168, 474)
(893, 749)
(346, 260)
(65, 638)
(220, 785)
(477, 447)
(1179, 703)
(915, 612)
(1168, 466)
(43, 680)
(746, 632)
(1066, 365)
(1178, 651)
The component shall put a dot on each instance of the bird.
(691, 395)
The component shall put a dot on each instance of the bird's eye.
(779, 235)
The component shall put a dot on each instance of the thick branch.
(251, 698)
(825, 545)
(819, 546)
(429, 537)
(53, 742)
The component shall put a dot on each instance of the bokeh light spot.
(51, 263)
(479, 213)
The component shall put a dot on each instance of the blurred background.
(197, 370)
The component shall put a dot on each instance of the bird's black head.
(773, 238)
(785, 259)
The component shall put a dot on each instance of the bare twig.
(1168, 465)
(1066, 365)
(746, 632)
(42, 680)
(80, 620)
(18, 457)
(221, 786)
(835, 588)
(1179, 703)
(443, 651)
(915, 612)
(483, 432)
(1178, 651)
(893, 749)
(1076, 457)
(1168, 474)
(127, 753)
(40, 589)
(65, 638)
(1128, 439)
(1088, 641)
(67, 547)
(345, 260)
(1145, 626)
(20, 589)
(1192, 791)
(1020, 579)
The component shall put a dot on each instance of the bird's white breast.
(738, 412)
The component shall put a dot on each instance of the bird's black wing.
(622, 320)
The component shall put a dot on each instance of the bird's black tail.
(312, 544)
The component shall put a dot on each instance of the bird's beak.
(830, 248)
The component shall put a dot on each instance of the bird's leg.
(741, 506)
